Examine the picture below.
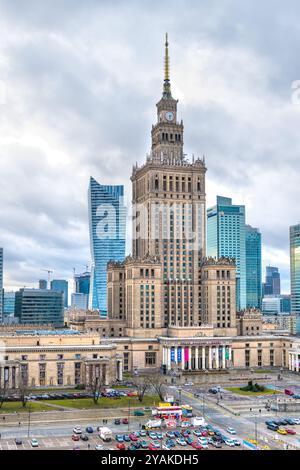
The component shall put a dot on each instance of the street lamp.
(29, 410)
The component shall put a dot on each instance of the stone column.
(217, 356)
(120, 370)
(293, 362)
(223, 357)
(290, 362)
(297, 363)
(168, 358)
(175, 354)
(190, 358)
(229, 354)
(164, 355)
(196, 358)
(182, 358)
(209, 358)
(203, 358)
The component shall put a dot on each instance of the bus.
(187, 411)
(168, 411)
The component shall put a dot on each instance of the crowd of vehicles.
(109, 393)
(278, 423)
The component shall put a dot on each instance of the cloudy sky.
(78, 85)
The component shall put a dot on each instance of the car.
(185, 433)
(272, 427)
(18, 441)
(166, 447)
(290, 421)
(89, 429)
(99, 447)
(126, 438)
(34, 442)
(154, 446)
(119, 438)
(181, 441)
(117, 421)
(133, 437)
(237, 442)
(143, 433)
(177, 434)
(84, 437)
(213, 390)
(216, 444)
(139, 413)
(77, 430)
(189, 441)
(283, 421)
(121, 446)
(159, 435)
(203, 440)
(170, 434)
(229, 442)
(171, 443)
(296, 420)
(189, 384)
(204, 433)
(131, 447)
(137, 444)
(281, 431)
(75, 437)
(290, 431)
(288, 391)
(231, 430)
(269, 422)
(125, 421)
(197, 433)
(144, 445)
(196, 445)
(296, 396)
(197, 395)
(152, 435)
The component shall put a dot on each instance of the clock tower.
(167, 133)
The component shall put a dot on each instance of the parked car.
(154, 446)
(296, 396)
(121, 446)
(281, 431)
(18, 441)
(189, 384)
(99, 447)
(84, 437)
(170, 443)
(89, 429)
(213, 390)
(144, 445)
(75, 437)
(125, 421)
(34, 442)
(133, 437)
(77, 430)
(117, 421)
(290, 431)
(216, 443)
(229, 442)
(139, 413)
(272, 427)
(196, 445)
(126, 438)
(181, 441)
(170, 434)
(288, 391)
(237, 442)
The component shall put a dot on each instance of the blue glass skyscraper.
(226, 237)
(61, 285)
(107, 221)
(253, 267)
(295, 273)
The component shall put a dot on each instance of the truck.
(198, 421)
(105, 434)
(153, 423)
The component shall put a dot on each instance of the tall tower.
(169, 213)
(295, 273)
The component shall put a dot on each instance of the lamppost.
(29, 410)
(203, 405)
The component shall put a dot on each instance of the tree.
(157, 382)
(3, 393)
(23, 389)
(142, 384)
(96, 383)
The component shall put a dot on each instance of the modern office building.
(295, 273)
(79, 301)
(9, 303)
(253, 267)
(107, 222)
(40, 307)
(82, 283)
(276, 304)
(61, 285)
(272, 284)
(43, 284)
(226, 237)
(1, 285)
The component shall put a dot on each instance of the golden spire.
(166, 58)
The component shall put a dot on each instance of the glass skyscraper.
(61, 285)
(295, 273)
(107, 221)
(1, 285)
(272, 284)
(226, 237)
(39, 307)
(253, 267)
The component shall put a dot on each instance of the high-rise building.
(39, 306)
(82, 283)
(107, 222)
(61, 285)
(79, 300)
(226, 237)
(43, 284)
(253, 267)
(9, 302)
(295, 273)
(1, 285)
(272, 284)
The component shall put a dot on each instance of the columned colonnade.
(294, 361)
(202, 357)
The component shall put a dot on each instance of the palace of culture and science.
(169, 306)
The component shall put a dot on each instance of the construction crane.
(49, 271)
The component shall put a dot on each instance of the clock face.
(169, 116)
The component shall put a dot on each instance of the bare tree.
(96, 383)
(157, 382)
(142, 384)
(3, 394)
(23, 389)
